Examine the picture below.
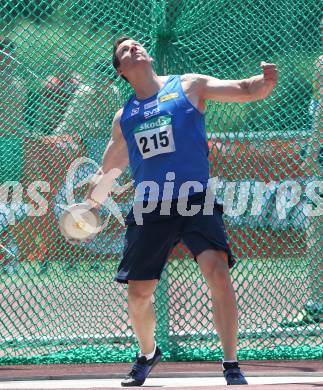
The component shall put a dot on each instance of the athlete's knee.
(140, 292)
(215, 269)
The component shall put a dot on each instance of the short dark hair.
(115, 59)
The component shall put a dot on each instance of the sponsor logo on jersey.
(134, 111)
(151, 104)
(136, 103)
(149, 113)
(154, 123)
(170, 96)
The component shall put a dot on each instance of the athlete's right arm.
(115, 160)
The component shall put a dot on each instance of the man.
(12, 93)
(161, 131)
(99, 99)
(48, 103)
(12, 129)
(94, 100)
(12, 106)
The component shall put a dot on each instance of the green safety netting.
(58, 95)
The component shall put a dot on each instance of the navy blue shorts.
(148, 246)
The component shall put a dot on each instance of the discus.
(80, 222)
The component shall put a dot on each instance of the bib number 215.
(158, 141)
(155, 141)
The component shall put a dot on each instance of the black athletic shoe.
(234, 376)
(141, 370)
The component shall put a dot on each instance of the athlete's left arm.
(246, 90)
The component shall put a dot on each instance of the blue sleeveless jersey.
(167, 146)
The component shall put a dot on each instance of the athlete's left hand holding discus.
(85, 223)
(79, 223)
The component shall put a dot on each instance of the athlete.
(160, 131)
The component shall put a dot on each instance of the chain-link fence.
(58, 95)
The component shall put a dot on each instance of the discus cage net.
(59, 92)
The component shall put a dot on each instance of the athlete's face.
(130, 54)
